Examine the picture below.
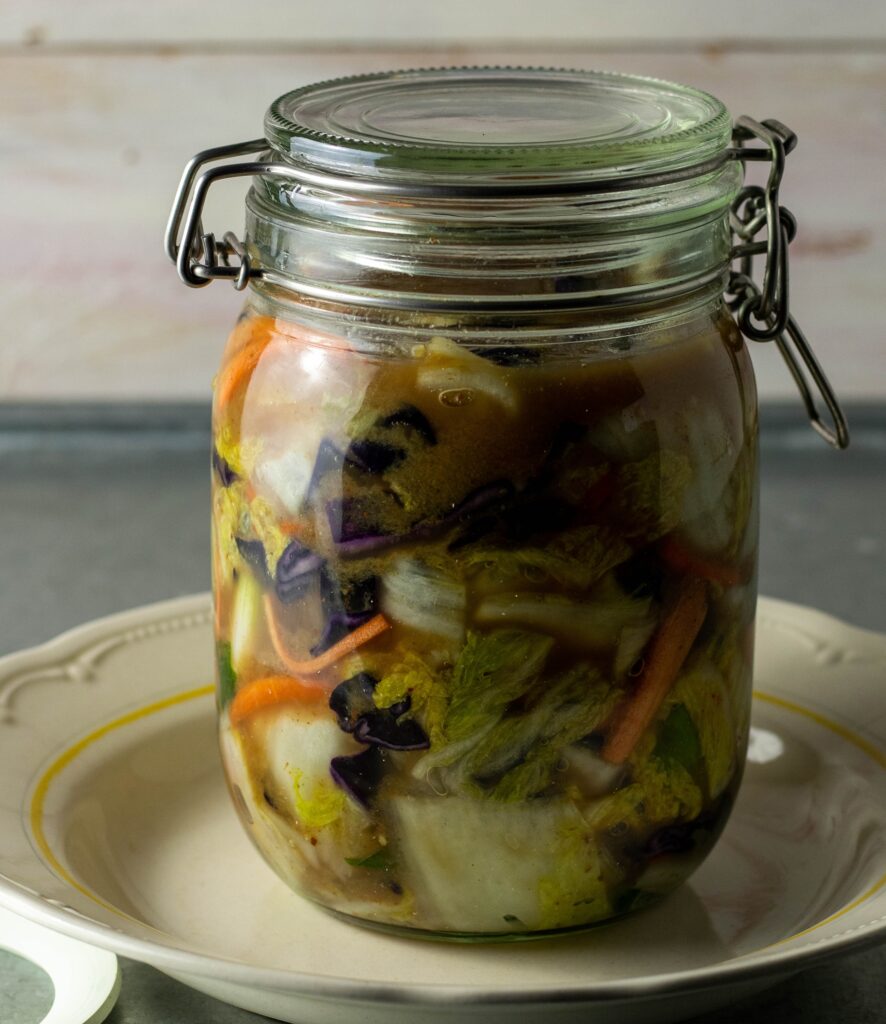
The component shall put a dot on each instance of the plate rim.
(167, 957)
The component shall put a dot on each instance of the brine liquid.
(484, 618)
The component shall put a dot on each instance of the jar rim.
(497, 124)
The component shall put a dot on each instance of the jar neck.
(559, 332)
(578, 251)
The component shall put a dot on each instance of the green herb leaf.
(678, 740)
(377, 861)
(227, 677)
(704, 695)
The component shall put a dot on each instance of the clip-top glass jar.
(485, 488)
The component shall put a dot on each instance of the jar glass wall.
(484, 591)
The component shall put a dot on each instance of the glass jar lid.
(498, 123)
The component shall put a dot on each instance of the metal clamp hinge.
(198, 256)
(763, 311)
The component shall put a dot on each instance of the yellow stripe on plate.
(66, 757)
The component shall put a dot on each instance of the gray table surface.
(100, 513)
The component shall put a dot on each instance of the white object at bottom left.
(86, 980)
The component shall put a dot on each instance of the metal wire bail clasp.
(763, 311)
(198, 256)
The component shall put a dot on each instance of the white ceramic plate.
(115, 828)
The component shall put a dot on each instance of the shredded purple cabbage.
(338, 625)
(356, 546)
(352, 699)
(513, 517)
(354, 706)
(381, 728)
(414, 419)
(482, 498)
(329, 457)
(354, 540)
(349, 520)
(373, 456)
(253, 552)
(296, 570)
(226, 475)
(345, 606)
(359, 775)
(369, 456)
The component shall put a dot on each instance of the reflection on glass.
(764, 746)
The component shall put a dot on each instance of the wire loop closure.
(761, 311)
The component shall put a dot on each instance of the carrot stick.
(258, 332)
(685, 560)
(244, 350)
(265, 693)
(665, 656)
(361, 635)
(238, 369)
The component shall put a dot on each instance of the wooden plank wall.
(101, 103)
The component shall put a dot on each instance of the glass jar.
(485, 491)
